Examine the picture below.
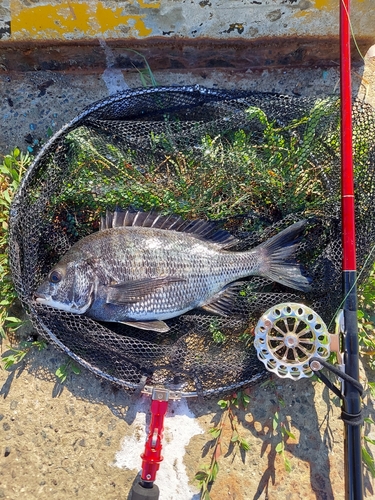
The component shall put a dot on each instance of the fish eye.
(55, 277)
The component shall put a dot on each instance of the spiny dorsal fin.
(202, 229)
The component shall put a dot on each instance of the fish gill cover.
(255, 163)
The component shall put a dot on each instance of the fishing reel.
(288, 336)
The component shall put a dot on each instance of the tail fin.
(275, 253)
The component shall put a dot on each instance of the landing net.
(253, 162)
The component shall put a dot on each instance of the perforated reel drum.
(287, 336)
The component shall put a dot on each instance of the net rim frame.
(71, 125)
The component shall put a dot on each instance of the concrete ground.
(83, 439)
(34, 104)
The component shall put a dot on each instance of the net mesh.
(256, 163)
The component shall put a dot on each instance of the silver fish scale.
(134, 253)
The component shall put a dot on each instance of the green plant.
(282, 430)
(18, 354)
(280, 425)
(273, 168)
(367, 457)
(366, 319)
(11, 172)
(208, 473)
(286, 177)
(217, 335)
(146, 75)
(65, 369)
(366, 335)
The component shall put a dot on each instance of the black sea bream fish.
(142, 268)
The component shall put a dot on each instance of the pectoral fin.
(155, 326)
(224, 302)
(133, 291)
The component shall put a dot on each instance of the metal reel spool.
(287, 336)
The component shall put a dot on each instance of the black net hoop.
(254, 162)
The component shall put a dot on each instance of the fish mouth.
(47, 300)
(40, 298)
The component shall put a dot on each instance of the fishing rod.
(286, 353)
(351, 402)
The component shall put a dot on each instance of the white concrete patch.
(112, 77)
(179, 427)
(371, 51)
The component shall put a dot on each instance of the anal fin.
(224, 302)
(155, 326)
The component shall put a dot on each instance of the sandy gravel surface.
(62, 441)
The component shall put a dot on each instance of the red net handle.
(151, 457)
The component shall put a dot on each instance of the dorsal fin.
(205, 230)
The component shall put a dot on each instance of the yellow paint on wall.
(70, 20)
(326, 4)
(302, 13)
